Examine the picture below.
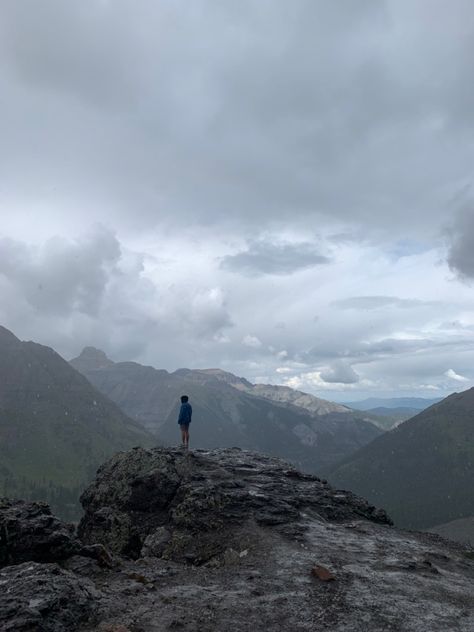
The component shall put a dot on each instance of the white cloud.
(455, 376)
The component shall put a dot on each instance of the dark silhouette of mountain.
(55, 428)
(422, 472)
(230, 411)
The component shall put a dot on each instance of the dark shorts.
(184, 426)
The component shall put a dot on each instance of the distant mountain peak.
(91, 358)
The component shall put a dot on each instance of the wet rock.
(156, 542)
(191, 506)
(44, 598)
(231, 556)
(29, 532)
(212, 563)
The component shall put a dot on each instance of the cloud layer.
(280, 189)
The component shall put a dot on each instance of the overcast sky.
(280, 189)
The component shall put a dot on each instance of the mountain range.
(414, 403)
(422, 472)
(60, 420)
(391, 411)
(230, 411)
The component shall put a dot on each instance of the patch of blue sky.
(408, 248)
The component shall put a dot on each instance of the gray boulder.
(29, 532)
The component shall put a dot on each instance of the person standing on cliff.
(184, 419)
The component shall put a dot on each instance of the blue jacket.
(185, 413)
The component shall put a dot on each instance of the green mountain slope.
(55, 428)
(422, 472)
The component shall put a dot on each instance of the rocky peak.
(91, 358)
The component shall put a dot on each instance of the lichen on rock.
(187, 506)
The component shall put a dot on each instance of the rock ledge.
(187, 506)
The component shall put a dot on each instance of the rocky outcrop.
(35, 592)
(44, 598)
(189, 506)
(29, 532)
(233, 540)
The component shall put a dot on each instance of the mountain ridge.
(422, 472)
(418, 403)
(232, 411)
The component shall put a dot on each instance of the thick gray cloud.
(62, 277)
(266, 257)
(80, 49)
(461, 245)
(252, 112)
(340, 373)
(213, 142)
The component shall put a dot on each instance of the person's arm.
(181, 414)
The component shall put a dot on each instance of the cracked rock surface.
(187, 506)
(44, 597)
(29, 532)
(232, 540)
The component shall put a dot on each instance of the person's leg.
(183, 434)
(186, 436)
